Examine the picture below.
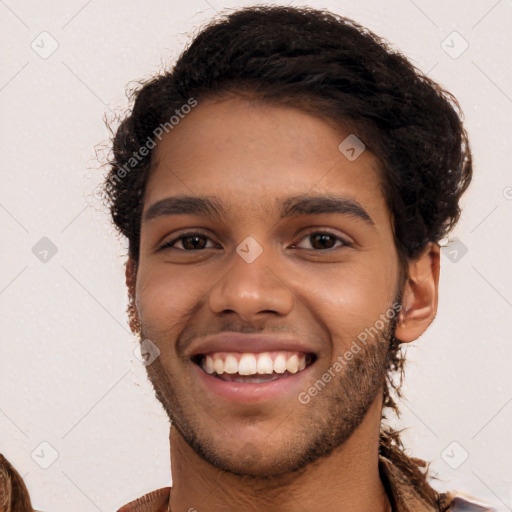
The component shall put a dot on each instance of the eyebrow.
(213, 207)
(311, 205)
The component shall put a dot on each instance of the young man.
(283, 190)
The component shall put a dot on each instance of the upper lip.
(233, 342)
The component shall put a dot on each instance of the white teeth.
(247, 365)
(218, 365)
(230, 364)
(265, 365)
(280, 363)
(208, 365)
(292, 365)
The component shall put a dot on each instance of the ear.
(131, 281)
(420, 295)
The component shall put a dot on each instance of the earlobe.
(420, 295)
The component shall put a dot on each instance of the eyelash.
(170, 243)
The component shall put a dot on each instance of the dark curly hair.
(328, 66)
(14, 496)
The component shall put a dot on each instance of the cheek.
(164, 297)
(349, 300)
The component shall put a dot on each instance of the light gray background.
(68, 374)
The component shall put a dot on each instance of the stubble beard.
(320, 426)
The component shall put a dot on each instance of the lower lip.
(253, 392)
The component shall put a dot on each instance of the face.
(266, 277)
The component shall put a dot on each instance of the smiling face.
(256, 224)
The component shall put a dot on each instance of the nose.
(253, 288)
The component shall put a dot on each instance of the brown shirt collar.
(402, 494)
(156, 501)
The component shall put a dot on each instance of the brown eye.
(324, 240)
(193, 242)
(189, 242)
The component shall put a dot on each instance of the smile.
(250, 377)
(253, 368)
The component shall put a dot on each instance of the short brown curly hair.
(327, 65)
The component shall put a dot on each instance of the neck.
(346, 480)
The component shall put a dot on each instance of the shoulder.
(155, 501)
(458, 502)
(410, 491)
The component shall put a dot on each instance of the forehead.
(255, 155)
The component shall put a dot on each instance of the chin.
(251, 466)
(253, 459)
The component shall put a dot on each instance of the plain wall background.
(68, 374)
